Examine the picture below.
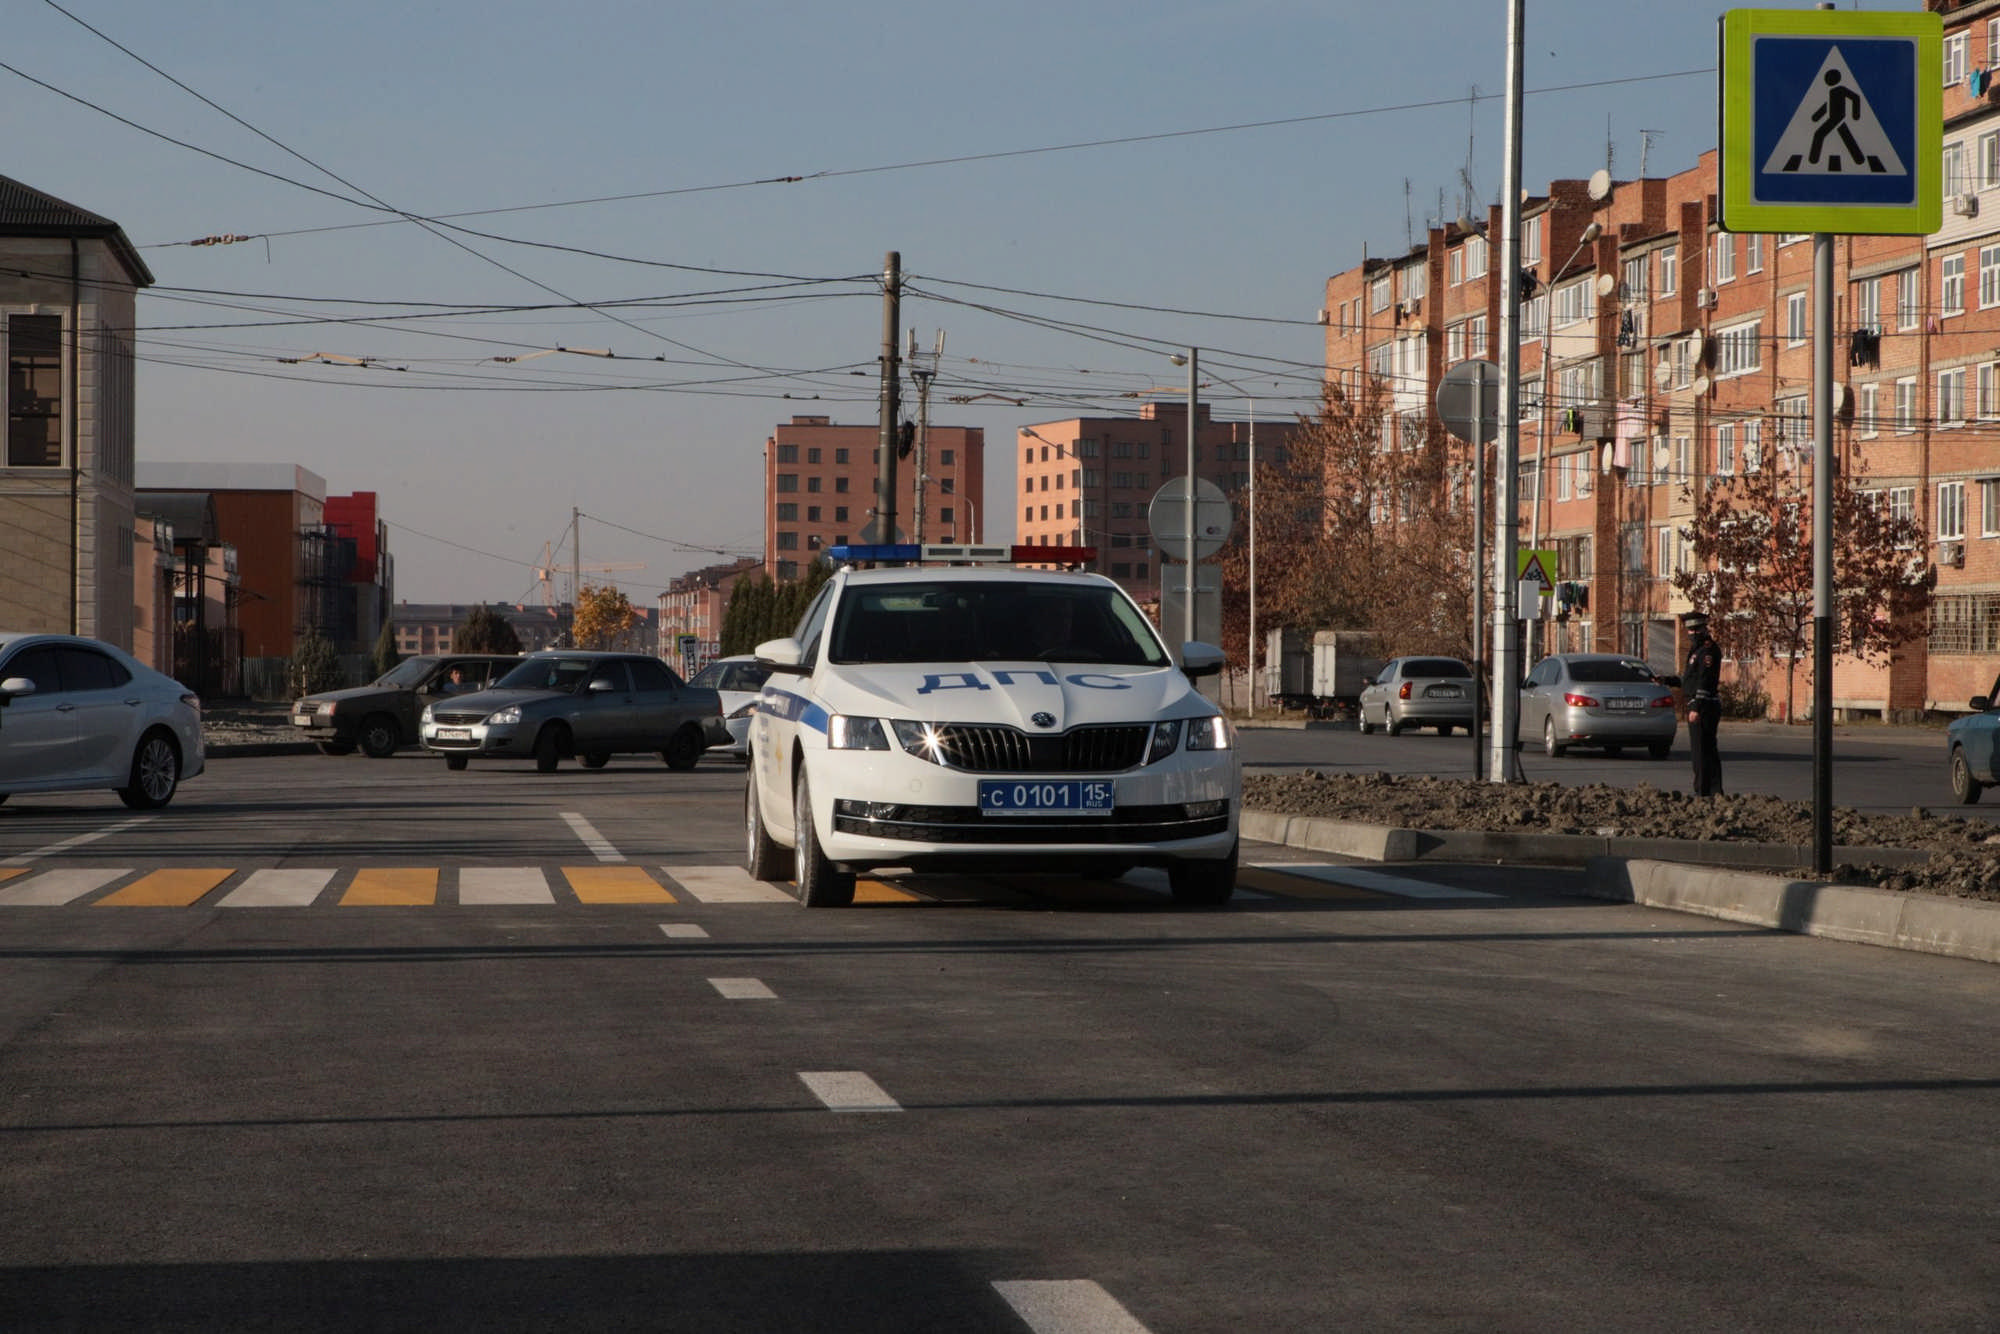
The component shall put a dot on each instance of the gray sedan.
(589, 706)
(1611, 700)
(1419, 692)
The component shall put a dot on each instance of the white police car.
(986, 717)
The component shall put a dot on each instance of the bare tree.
(1751, 538)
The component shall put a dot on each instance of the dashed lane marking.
(174, 888)
(1402, 886)
(848, 1091)
(724, 884)
(52, 889)
(292, 887)
(392, 887)
(26, 857)
(742, 988)
(682, 930)
(1067, 1306)
(485, 886)
(615, 884)
(599, 845)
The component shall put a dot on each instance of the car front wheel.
(821, 883)
(1963, 785)
(156, 773)
(763, 857)
(379, 736)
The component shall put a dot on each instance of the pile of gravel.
(1965, 854)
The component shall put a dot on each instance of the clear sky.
(1075, 190)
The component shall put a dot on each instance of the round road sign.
(1214, 518)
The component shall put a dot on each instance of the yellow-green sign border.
(1736, 30)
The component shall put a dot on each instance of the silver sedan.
(1612, 700)
(77, 714)
(1419, 692)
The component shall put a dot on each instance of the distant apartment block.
(819, 489)
(691, 610)
(426, 627)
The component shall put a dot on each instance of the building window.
(34, 391)
(812, 454)
(840, 514)
(1753, 253)
(1722, 258)
(1475, 336)
(1574, 303)
(1986, 383)
(1028, 457)
(1737, 348)
(1753, 446)
(1670, 259)
(1956, 181)
(788, 453)
(812, 514)
(945, 514)
(788, 481)
(1868, 305)
(1989, 508)
(1951, 397)
(1454, 344)
(1906, 404)
(840, 455)
(1965, 623)
(1953, 273)
(1531, 244)
(1416, 282)
(1380, 292)
(1635, 279)
(1907, 313)
(812, 483)
(1684, 459)
(1954, 59)
(788, 540)
(1951, 511)
(1867, 406)
(840, 484)
(1902, 502)
(1796, 329)
(1725, 451)
(1455, 268)
(788, 511)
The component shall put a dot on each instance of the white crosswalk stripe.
(269, 888)
(725, 884)
(52, 889)
(1358, 878)
(483, 885)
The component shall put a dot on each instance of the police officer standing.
(1702, 680)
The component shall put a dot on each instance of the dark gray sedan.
(568, 704)
(1419, 692)
(1612, 700)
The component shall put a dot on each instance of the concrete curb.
(1957, 928)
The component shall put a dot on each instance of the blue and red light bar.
(909, 552)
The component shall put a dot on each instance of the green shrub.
(1744, 701)
(315, 666)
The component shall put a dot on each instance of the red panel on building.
(354, 517)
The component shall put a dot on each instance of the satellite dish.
(1692, 344)
(1606, 284)
(1605, 466)
(1663, 375)
(1600, 185)
(1701, 384)
(1839, 397)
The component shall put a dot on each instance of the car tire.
(1549, 745)
(821, 883)
(156, 772)
(763, 856)
(684, 749)
(549, 746)
(1363, 723)
(379, 736)
(1393, 725)
(595, 760)
(455, 762)
(1203, 884)
(1444, 729)
(1659, 750)
(334, 747)
(1963, 785)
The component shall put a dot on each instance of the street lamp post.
(1193, 363)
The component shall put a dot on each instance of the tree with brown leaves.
(603, 614)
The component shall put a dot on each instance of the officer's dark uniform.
(1702, 681)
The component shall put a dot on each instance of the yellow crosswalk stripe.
(392, 887)
(874, 891)
(176, 888)
(615, 884)
(9, 872)
(1269, 881)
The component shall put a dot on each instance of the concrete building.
(426, 627)
(691, 610)
(819, 489)
(68, 286)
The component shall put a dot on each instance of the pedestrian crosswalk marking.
(1355, 877)
(876, 891)
(392, 887)
(52, 889)
(291, 887)
(9, 872)
(503, 885)
(172, 888)
(615, 884)
(725, 884)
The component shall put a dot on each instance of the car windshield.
(1610, 670)
(553, 673)
(1435, 667)
(407, 674)
(947, 620)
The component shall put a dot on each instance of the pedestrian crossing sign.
(1832, 121)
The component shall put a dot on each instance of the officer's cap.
(1695, 622)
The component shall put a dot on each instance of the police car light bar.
(876, 551)
(1054, 555)
(964, 554)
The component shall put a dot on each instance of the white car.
(78, 714)
(987, 718)
(737, 679)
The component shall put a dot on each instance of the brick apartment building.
(691, 610)
(819, 489)
(1660, 353)
(1088, 481)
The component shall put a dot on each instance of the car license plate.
(302, 720)
(1624, 703)
(454, 733)
(1064, 797)
(1444, 692)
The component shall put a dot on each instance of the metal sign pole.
(1822, 413)
(1507, 518)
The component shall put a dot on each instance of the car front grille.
(983, 749)
(457, 717)
(965, 824)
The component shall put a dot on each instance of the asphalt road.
(1367, 1098)
(1889, 770)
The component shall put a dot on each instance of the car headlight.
(510, 714)
(746, 710)
(844, 732)
(325, 710)
(427, 713)
(923, 740)
(1209, 733)
(1166, 740)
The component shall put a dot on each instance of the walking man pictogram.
(1841, 102)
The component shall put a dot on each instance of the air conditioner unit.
(1321, 316)
(1705, 298)
(1952, 554)
(1965, 205)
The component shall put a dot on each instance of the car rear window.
(1435, 667)
(1609, 670)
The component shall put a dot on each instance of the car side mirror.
(600, 685)
(1198, 660)
(1979, 703)
(782, 655)
(13, 686)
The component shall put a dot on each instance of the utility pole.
(923, 375)
(575, 568)
(885, 478)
